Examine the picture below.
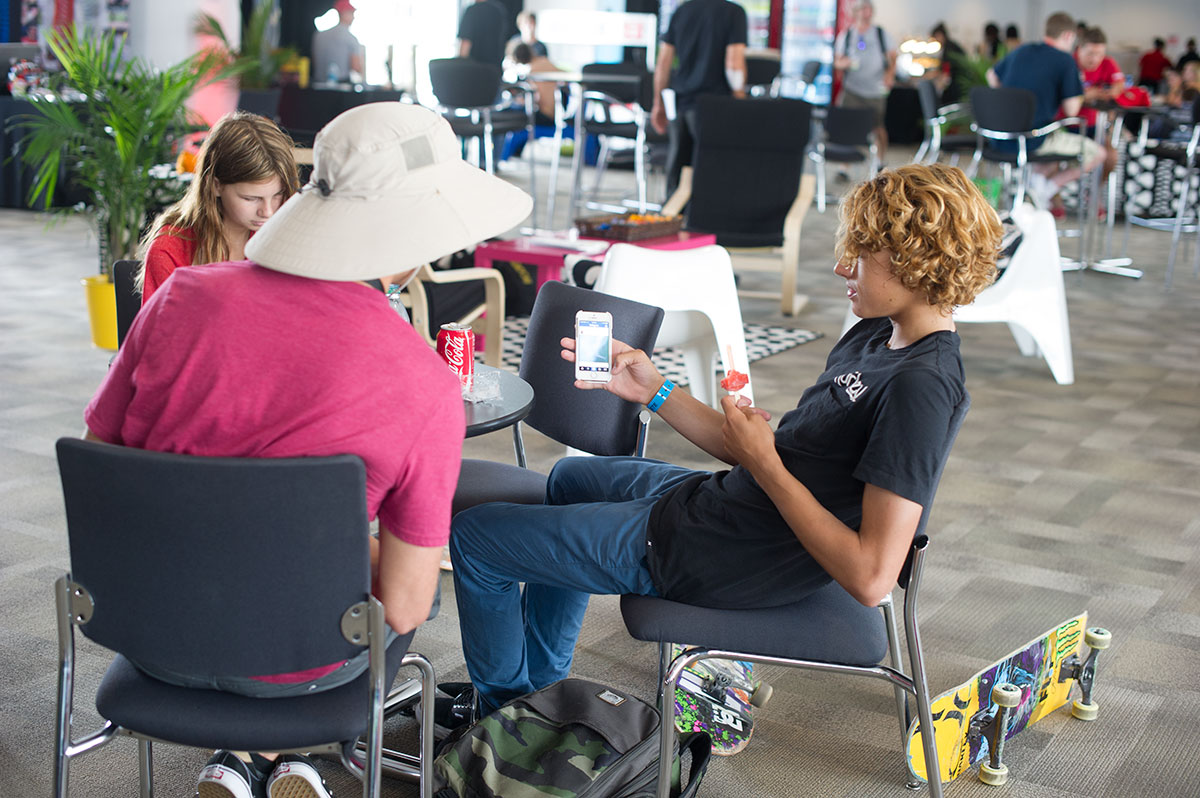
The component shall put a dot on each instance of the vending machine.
(806, 49)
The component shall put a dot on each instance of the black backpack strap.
(882, 46)
(700, 746)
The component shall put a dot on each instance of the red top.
(1105, 75)
(1151, 66)
(172, 248)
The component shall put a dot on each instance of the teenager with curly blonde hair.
(244, 173)
(835, 492)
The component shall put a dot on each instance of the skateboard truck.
(1084, 672)
(1006, 697)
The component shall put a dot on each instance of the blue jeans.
(588, 538)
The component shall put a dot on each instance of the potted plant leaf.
(260, 60)
(110, 120)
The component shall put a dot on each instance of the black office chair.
(828, 631)
(596, 422)
(469, 93)
(225, 567)
(842, 137)
(1004, 114)
(762, 73)
(935, 143)
(747, 182)
(129, 296)
(601, 97)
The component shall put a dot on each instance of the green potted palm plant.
(110, 120)
(260, 62)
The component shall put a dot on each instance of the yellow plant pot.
(102, 310)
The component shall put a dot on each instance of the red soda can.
(456, 345)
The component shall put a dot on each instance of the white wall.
(161, 32)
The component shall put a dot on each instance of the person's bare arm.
(407, 580)
(993, 79)
(867, 562)
(1071, 106)
(662, 79)
(735, 69)
(464, 48)
(88, 435)
(358, 64)
(889, 72)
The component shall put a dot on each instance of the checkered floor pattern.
(761, 341)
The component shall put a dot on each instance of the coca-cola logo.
(455, 350)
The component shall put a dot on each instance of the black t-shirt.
(874, 416)
(485, 26)
(700, 30)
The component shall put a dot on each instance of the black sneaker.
(295, 776)
(227, 776)
(452, 713)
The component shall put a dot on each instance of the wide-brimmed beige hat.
(389, 192)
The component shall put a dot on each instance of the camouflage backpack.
(572, 739)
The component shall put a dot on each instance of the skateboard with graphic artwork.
(972, 722)
(718, 697)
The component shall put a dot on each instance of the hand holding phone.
(593, 346)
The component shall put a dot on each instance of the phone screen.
(593, 346)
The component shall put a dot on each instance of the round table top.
(514, 403)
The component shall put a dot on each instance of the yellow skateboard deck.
(961, 716)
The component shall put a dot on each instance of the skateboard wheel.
(761, 695)
(1085, 711)
(1006, 695)
(1097, 637)
(994, 776)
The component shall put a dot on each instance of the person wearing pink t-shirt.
(298, 352)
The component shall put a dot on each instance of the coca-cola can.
(456, 345)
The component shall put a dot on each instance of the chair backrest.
(593, 421)
(927, 95)
(956, 421)
(208, 566)
(1032, 274)
(747, 165)
(762, 68)
(809, 72)
(640, 92)
(850, 127)
(1003, 110)
(463, 83)
(687, 284)
(129, 297)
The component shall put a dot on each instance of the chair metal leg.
(601, 165)
(519, 445)
(889, 616)
(819, 157)
(639, 163)
(489, 155)
(920, 685)
(146, 768)
(666, 729)
(66, 688)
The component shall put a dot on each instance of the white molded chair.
(1029, 297)
(703, 318)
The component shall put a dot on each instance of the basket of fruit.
(629, 227)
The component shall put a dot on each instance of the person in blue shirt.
(1048, 69)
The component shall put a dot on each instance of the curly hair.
(943, 236)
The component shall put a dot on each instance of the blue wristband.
(660, 396)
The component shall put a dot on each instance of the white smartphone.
(593, 346)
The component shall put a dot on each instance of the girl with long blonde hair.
(244, 172)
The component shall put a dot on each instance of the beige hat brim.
(443, 208)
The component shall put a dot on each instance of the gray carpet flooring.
(1056, 499)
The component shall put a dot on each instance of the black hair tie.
(323, 187)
